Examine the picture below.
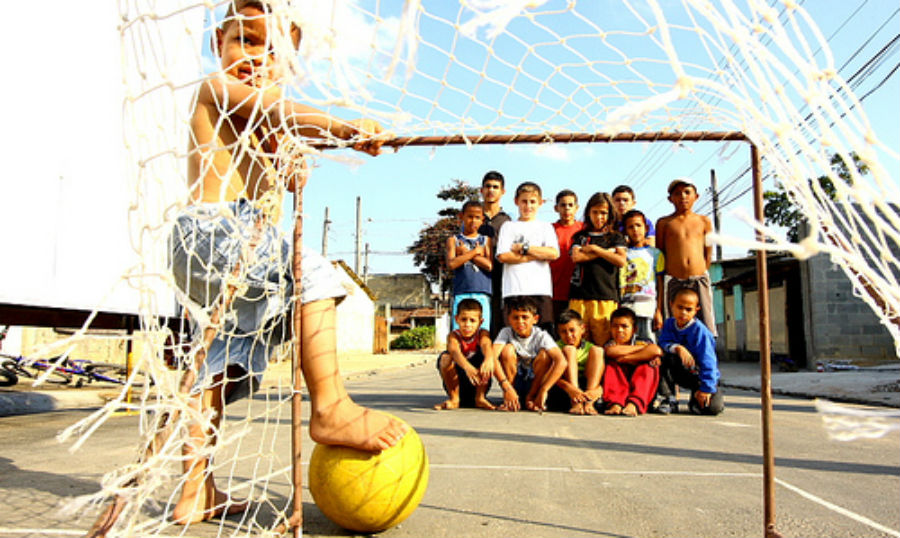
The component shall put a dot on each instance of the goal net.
(475, 70)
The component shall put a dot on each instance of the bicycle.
(64, 370)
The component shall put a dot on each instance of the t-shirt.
(561, 268)
(597, 279)
(637, 280)
(581, 353)
(526, 348)
(491, 228)
(469, 277)
(533, 277)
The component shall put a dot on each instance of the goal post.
(479, 72)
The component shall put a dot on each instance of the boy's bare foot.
(614, 409)
(577, 408)
(589, 408)
(207, 503)
(447, 404)
(348, 424)
(630, 410)
(484, 403)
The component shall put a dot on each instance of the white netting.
(482, 67)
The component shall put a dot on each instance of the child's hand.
(474, 375)
(657, 321)
(510, 399)
(702, 398)
(368, 134)
(461, 248)
(686, 358)
(486, 370)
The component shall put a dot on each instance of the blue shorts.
(208, 242)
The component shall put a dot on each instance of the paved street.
(529, 475)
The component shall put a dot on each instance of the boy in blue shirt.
(469, 257)
(689, 361)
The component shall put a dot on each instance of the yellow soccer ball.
(366, 492)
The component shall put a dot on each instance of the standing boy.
(624, 199)
(527, 355)
(467, 365)
(561, 268)
(226, 232)
(641, 277)
(492, 191)
(469, 257)
(689, 361)
(632, 368)
(682, 238)
(526, 247)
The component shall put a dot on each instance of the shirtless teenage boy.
(237, 174)
(682, 238)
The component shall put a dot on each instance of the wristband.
(525, 249)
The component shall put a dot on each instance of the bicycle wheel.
(114, 373)
(36, 369)
(8, 377)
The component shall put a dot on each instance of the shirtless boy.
(682, 238)
(226, 232)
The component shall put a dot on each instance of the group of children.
(605, 285)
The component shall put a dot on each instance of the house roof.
(352, 274)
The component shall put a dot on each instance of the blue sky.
(398, 189)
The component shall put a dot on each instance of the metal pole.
(325, 228)
(765, 365)
(356, 268)
(715, 203)
(296, 520)
(366, 266)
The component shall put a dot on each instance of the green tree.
(780, 210)
(428, 249)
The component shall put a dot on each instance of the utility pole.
(715, 204)
(366, 269)
(325, 228)
(358, 234)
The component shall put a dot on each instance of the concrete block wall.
(843, 326)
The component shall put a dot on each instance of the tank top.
(468, 277)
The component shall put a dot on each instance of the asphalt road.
(524, 474)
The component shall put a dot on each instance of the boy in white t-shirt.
(526, 247)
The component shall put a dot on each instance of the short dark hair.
(623, 188)
(469, 304)
(624, 312)
(263, 5)
(566, 192)
(631, 213)
(682, 291)
(521, 302)
(470, 203)
(493, 175)
(567, 316)
(528, 186)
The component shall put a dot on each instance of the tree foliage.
(428, 249)
(780, 210)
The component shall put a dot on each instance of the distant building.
(409, 297)
(355, 313)
(813, 313)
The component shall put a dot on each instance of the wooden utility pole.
(358, 234)
(715, 204)
(326, 226)
(366, 266)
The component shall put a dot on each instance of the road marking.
(840, 510)
(527, 468)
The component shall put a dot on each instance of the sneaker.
(665, 406)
